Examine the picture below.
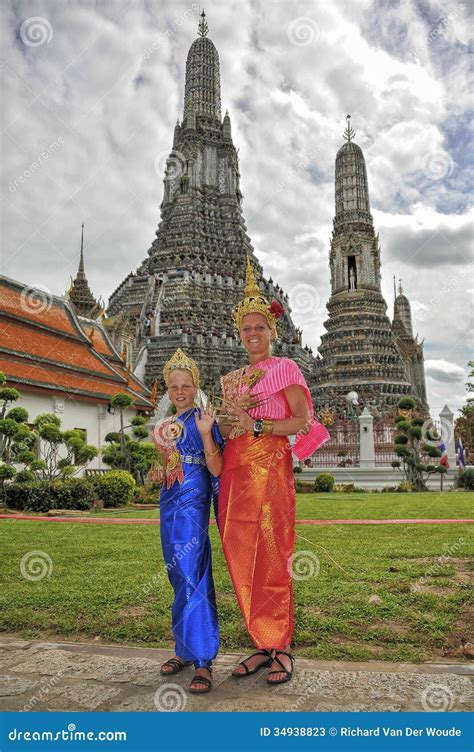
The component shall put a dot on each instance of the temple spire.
(81, 273)
(203, 28)
(202, 89)
(352, 189)
(79, 293)
(348, 133)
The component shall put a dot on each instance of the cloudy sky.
(92, 91)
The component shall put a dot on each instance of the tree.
(7, 472)
(412, 441)
(126, 452)
(464, 424)
(61, 453)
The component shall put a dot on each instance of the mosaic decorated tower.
(358, 350)
(182, 295)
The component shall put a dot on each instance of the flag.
(461, 455)
(444, 455)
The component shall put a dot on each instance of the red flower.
(276, 309)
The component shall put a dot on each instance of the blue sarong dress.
(184, 522)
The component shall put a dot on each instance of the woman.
(190, 444)
(267, 401)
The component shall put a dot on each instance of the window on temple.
(351, 273)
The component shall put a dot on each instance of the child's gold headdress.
(182, 361)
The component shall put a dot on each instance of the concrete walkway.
(138, 521)
(73, 676)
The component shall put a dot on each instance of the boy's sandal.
(289, 674)
(249, 672)
(197, 679)
(176, 666)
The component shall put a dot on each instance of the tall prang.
(182, 295)
(358, 350)
(408, 346)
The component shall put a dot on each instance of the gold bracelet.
(211, 454)
(267, 426)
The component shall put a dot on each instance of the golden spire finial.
(348, 133)
(251, 288)
(254, 301)
(203, 28)
(181, 361)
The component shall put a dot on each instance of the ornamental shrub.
(115, 488)
(43, 495)
(324, 482)
(466, 479)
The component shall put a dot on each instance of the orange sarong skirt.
(256, 518)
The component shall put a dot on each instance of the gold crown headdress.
(255, 302)
(182, 361)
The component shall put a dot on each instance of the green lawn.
(109, 581)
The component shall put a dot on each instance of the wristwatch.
(258, 428)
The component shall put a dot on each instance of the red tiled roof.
(102, 344)
(46, 347)
(36, 306)
(36, 343)
(37, 374)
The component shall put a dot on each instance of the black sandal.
(176, 664)
(197, 679)
(249, 672)
(289, 674)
